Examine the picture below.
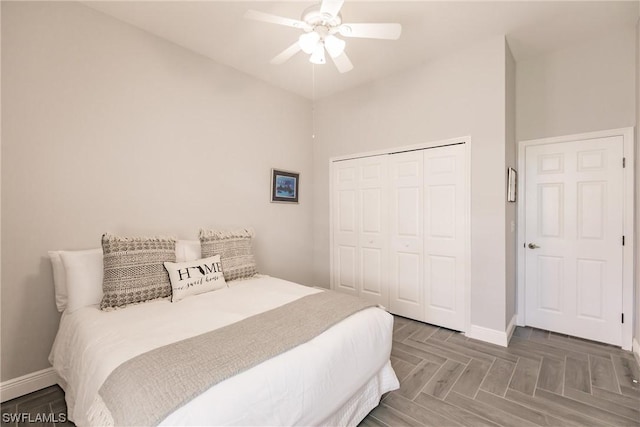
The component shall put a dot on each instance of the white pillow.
(187, 250)
(195, 277)
(84, 270)
(59, 280)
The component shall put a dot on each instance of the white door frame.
(466, 141)
(628, 209)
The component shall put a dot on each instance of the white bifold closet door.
(398, 225)
(445, 199)
(360, 228)
(427, 235)
(407, 235)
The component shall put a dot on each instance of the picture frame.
(512, 188)
(285, 186)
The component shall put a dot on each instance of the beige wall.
(458, 95)
(511, 211)
(579, 89)
(637, 188)
(107, 128)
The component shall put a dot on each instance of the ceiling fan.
(321, 24)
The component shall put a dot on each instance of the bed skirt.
(367, 398)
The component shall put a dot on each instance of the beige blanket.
(146, 389)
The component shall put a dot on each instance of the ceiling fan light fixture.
(321, 24)
(317, 57)
(309, 41)
(334, 45)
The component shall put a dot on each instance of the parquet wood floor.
(541, 379)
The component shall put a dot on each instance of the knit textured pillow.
(133, 269)
(234, 248)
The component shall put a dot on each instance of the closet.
(400, 233)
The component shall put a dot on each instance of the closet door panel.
(407, 274)
(345, 268)
(345, 226)
(373, 236)
(442, 211)
(406, 235)
(441, 273)
(444, 240)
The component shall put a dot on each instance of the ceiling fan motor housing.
(315, 18)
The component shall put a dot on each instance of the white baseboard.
(26, 384)
(636, 350)
(511, 327)
(492, 336)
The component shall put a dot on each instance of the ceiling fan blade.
(275, 19)
(331, 7)
(286, 54)
(371, 31)
(343, 64)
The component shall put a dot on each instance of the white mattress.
(309, 385)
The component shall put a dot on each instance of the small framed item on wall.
(512, 189)
(284, 186)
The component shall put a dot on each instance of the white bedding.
(312, 384)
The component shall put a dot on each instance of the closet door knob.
(533, 246)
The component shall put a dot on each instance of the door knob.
(533, 246)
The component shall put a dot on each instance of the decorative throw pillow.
(134, 270)
(195, 277)
(234, 248)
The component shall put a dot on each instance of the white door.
(573, 232)
(444, 236)
(360, 228)
(345, 226)
(406, 235)
(373, 224)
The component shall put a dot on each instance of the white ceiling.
(217, 30)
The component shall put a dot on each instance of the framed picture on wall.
(285, 186)
(512, 189)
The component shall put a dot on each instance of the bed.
(335, 378)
